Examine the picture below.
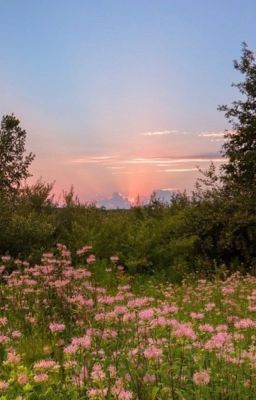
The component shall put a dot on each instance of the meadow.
(92, 331)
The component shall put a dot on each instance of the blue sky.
(90, 80)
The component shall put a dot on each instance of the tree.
(14, 163)
(223, 216)
(238, 175)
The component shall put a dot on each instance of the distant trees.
(14, 163)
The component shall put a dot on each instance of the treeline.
(211, 230)
(188, 235)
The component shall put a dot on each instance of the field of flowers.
(92, 332)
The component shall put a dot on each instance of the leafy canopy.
(239, 173)
(14, 163)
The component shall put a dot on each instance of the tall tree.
(14, 163)
(239, 173)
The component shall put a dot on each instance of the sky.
(122, 96)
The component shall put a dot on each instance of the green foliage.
(27, 223)
(224, 212)
(239, 173)
(14, 163)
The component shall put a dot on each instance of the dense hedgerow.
(188, 235)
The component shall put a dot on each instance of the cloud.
(124, 172)
(93, 159)
(180, 170)
(114, 167)
(166, 161)
(207, 134)
(158, 133)
(166, 132)
(168, 189)
(211, 134)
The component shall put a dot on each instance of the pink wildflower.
(97, 373)
(4, 385)
(153, 352)
(91, 259)
(201, 378)
(245, 323)
(146, 314)
(13, 357)
(185, 331)
(46, 364)
(97, 393)
(3, 321)
(22, 379)
(41, 377)
(196, 315)
(56, 327)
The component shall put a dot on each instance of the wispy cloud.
(179, 170)
(166, 132)
(158, 133)
(211, 134)
(170, 189)
(206, 134)
(165, 161)
(93, 159)
(114, 167)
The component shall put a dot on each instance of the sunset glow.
(120, 97)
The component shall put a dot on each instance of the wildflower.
(3, 321)
(12, 357)
(22, 379)
(16, 334)
(129, 316)
(4, 385)
(55, 327)
(121, 393)
(146, 314)
(245, 323)
(201, 378)
(217, 341)
(153, 352)
(46, 364)
(41, 377)
(169, 308)
(70, 349)
(120, 310)
(209, 306)
(97, 393)
(196, 315)
(114, 259)
(91, 259)
(184, 331)
(112, 371)
(97, 373)
(84, 341)
(228, 290)
(69, 364)
(206, 328)
(160, 321)
(6, 258)
(149, 378)
(79, 379)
